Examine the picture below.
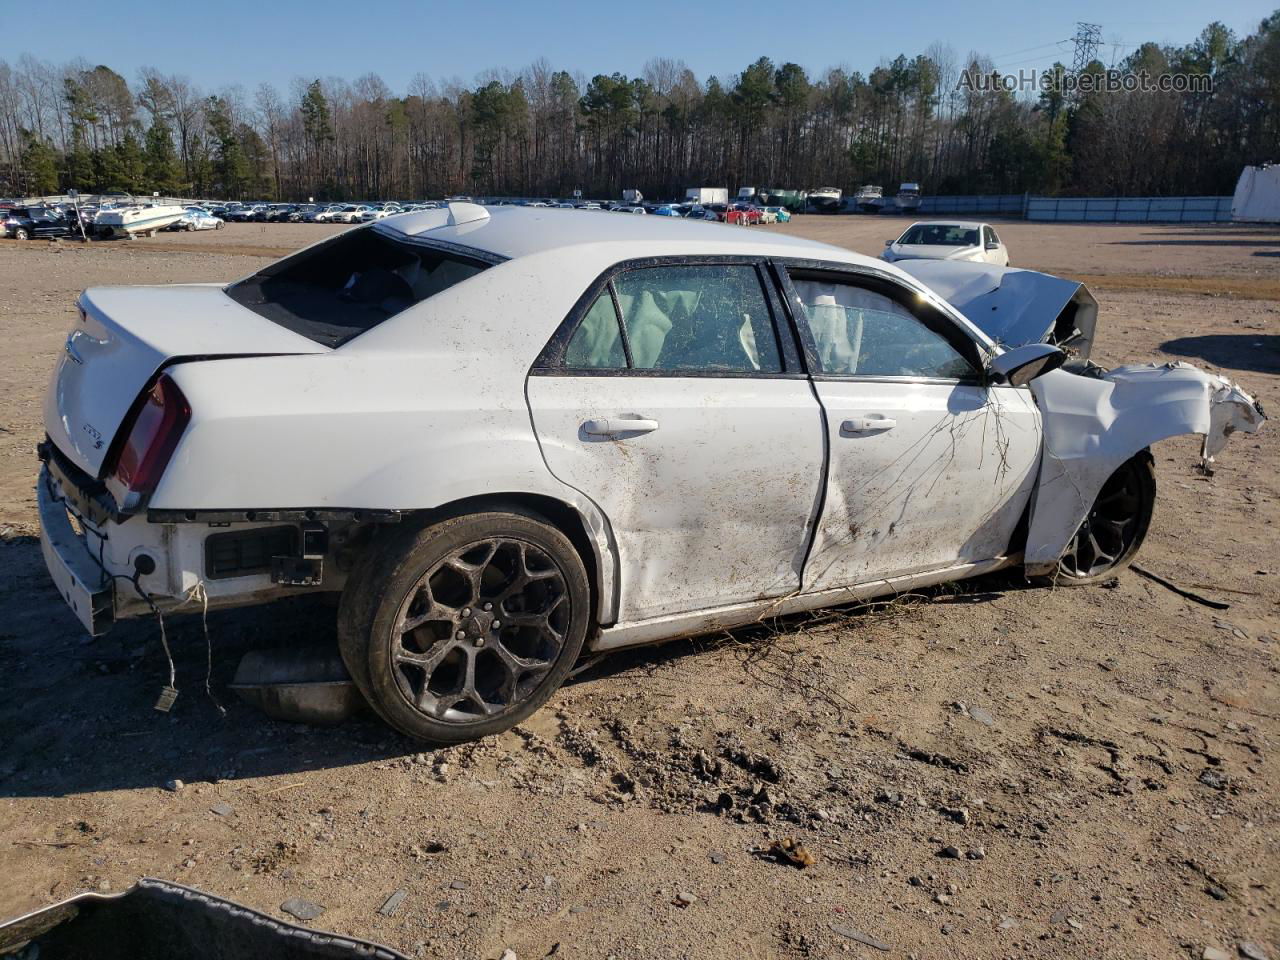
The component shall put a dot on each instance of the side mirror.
(991, 245)
(888, 243)
(1021, 365)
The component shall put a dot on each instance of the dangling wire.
(198, 591)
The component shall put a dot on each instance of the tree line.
(547, 132)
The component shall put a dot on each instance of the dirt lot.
(1121, 801)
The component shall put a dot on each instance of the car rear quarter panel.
(426, 409)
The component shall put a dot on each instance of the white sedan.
(948, 240)
(503, 437)
(196, 218)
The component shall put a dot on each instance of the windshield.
(337, 290)
(940, 235)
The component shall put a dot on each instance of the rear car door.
(929, 467)
(670, 399)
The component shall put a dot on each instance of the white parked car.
(328, 215)
(503, 437)
(351, 213)
(948, 240)
(196, 218)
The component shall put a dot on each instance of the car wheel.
(463, 628)
(21, 234)
(218, 225)
(1111, 534)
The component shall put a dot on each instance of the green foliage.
(38, 164)
(160, 161)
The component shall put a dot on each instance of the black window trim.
(870, 279)
(550, 362)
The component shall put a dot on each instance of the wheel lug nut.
(497, 624)
(466, 611)
(488, 606)
(462, 634)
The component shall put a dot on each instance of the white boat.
(868, 199)
(826, 199)
(908, 197)
(137, 221)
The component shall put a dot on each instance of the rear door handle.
(867, 424)
(614, 427)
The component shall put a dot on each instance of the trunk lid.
(124, 336)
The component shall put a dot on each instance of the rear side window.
(679, 318)
(335, 291)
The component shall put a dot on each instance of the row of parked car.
(56, 221)
(745, 214)
(735, 213)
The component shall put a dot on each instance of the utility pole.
(1088, 40)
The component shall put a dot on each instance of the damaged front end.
(1093, 419)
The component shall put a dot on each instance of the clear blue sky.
(218, 43)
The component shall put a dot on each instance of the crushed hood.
(1014, 307)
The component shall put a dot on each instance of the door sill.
(640, 632)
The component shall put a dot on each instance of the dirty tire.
(1112, 533)
(20, 234)
(463, 628)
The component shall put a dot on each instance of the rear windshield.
(337, 290)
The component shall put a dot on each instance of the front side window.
(711, 318)
(860, 332)
(337, 290)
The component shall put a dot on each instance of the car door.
(929, 468)
(670, 399)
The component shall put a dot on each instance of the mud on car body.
(503, 436)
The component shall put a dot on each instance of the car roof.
(512, 232)
(949, 223)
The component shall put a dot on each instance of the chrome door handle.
(614, 427)
(867, 424)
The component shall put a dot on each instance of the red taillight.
(154, 434)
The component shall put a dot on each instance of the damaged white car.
(503, 436)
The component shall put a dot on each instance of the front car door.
(929, 468)
(674, 398)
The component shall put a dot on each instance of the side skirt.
(641, 632)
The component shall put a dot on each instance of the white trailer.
(706, 195)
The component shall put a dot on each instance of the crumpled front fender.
(1094, 424)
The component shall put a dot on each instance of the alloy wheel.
(478, 632)
(1114, 526)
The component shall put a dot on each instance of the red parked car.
(742, 214)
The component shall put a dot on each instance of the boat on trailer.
(826, 199)
(869, 198)
(136, 221)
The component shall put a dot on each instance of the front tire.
(1117, 523)
(463, 628)
(21, 234)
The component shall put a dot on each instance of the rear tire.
(463, 628)
(21, 234)
(1117, 523)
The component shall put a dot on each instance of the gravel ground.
(991, 771)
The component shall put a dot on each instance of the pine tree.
(38, 164)
(160, 160)
(133, 174)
